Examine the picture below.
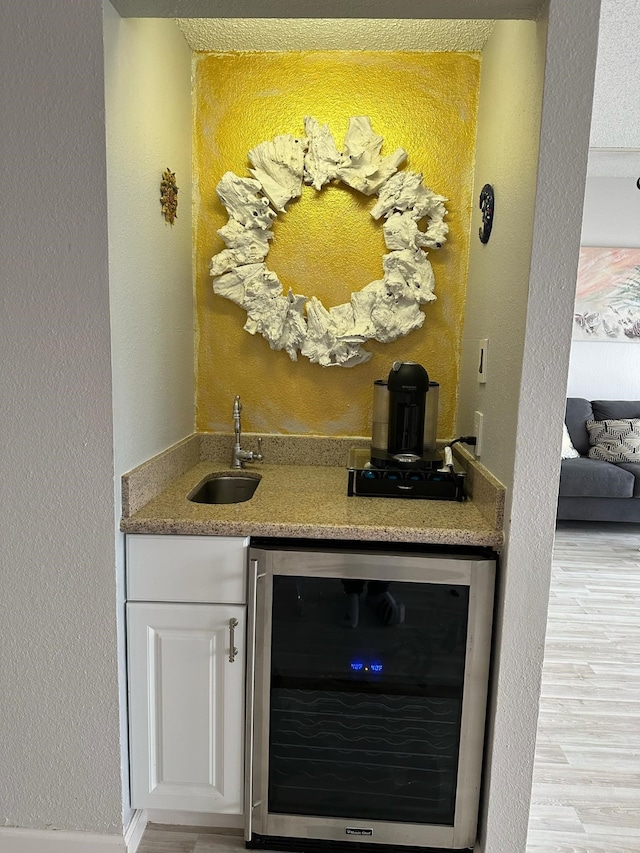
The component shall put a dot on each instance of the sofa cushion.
(592, 478)
(614, 409)
(634, 468)
(615, 440)
(577, 413)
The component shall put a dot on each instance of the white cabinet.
(187, 568)
(186, 706)
(186, 682)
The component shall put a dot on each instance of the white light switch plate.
(477, 429)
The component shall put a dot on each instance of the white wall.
(507, 157)
(603, 370)
(496, 303)
(610, 371)
(59, 734)
(60, 725)
(520, 293)
(148, 119)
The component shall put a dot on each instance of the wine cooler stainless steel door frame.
(475, 572)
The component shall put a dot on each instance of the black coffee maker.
(403, 460)
(405, 414)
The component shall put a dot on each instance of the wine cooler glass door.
(366, 698)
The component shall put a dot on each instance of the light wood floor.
(586, 792)
(159, 839)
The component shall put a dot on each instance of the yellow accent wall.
(327, 244)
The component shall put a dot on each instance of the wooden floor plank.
(590, 701)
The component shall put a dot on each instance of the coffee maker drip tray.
(381, 476)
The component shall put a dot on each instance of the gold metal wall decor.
(169, 196)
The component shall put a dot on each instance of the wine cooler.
(367, 695)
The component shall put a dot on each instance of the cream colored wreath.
(383, 310)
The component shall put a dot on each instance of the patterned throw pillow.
(615, 441)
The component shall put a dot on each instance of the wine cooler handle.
(232, 649)
(250, 697)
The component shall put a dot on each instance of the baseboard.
(15, 840)
(134, 831)
(233, 823)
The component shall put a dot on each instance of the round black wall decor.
(487, 203)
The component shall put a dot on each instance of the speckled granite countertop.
(300, 500)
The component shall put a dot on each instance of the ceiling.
(224, 34)
(616, 99)
(337, 9)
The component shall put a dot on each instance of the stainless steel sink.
(225, 489)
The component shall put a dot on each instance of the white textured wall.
(564, 134)
(507, 157)
(59, 735)
(608, 371)
(520, 293)
(148, 113)
(148, 108)
(498, 280)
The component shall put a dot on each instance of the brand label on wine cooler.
(358, 830)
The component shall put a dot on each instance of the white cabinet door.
(186, 706)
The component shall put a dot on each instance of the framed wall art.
(608, 295)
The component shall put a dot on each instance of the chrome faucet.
(240, 456)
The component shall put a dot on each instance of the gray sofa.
(591, 490)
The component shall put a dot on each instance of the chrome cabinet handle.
(232, 649)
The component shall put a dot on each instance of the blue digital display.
(361, 666)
